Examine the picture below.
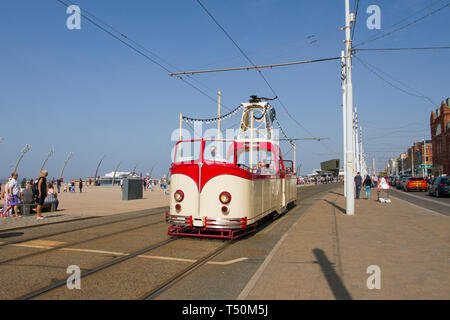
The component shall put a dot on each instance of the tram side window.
(288, 166)
(219, 151)
(261, 162)
(188, 151)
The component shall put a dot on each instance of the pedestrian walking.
(58, 184)
(358, 182)
(367, 184)
(6, 199)
(13, 195)
(80, 185)
(374, 180)
(42, 192)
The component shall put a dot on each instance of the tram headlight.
(178, 196)
(225, 197)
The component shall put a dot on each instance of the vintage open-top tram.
(221, 188)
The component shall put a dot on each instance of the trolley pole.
(295, 156)
(181, 126)
(219, 95)
(349, 166)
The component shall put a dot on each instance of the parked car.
(400, 182)
(394, 181)
(430, 183)
(415, 183)
(439, 186)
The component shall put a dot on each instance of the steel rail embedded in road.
(112, 234)
(81, 228)
(180, 275)
(67, 221)
(48, 224)
(97, 269)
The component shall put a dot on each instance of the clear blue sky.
(91, 95)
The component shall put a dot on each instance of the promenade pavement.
(325, 254)
(93, 201)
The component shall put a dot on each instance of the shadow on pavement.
(336, 206)
(333, 279)
(11, 234)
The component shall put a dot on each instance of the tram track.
(172, 278)
(112, 234)
(79, 228)
(47, 224)
(99, 268)
(150, 294)
(185, 272)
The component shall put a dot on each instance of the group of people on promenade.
(368, 183)
(319, 180)
(32, 192)
(70, 187)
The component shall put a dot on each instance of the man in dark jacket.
(358, 182)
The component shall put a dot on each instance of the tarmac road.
(222, 278)
(440, 205)
(226, 281)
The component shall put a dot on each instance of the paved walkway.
(325, 255)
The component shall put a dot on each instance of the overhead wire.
(384, 34)
(371, 69)
(251, 62)
(403, 49)
(139, 51)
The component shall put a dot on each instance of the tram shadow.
(335, 283)
(264, 223)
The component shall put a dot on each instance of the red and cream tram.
(222, 188)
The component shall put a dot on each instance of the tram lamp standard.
(225, 197)
(178, 195)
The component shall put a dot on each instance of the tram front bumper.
(207, 222)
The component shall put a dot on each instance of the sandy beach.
(106, 200)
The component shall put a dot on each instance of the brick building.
(440, 136)
(420, 157)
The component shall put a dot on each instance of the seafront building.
(440, 137)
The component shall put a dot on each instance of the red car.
(415, 183)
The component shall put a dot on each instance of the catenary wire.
(140, 52)
(251, 62)
(383, 35)
(421, 96)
